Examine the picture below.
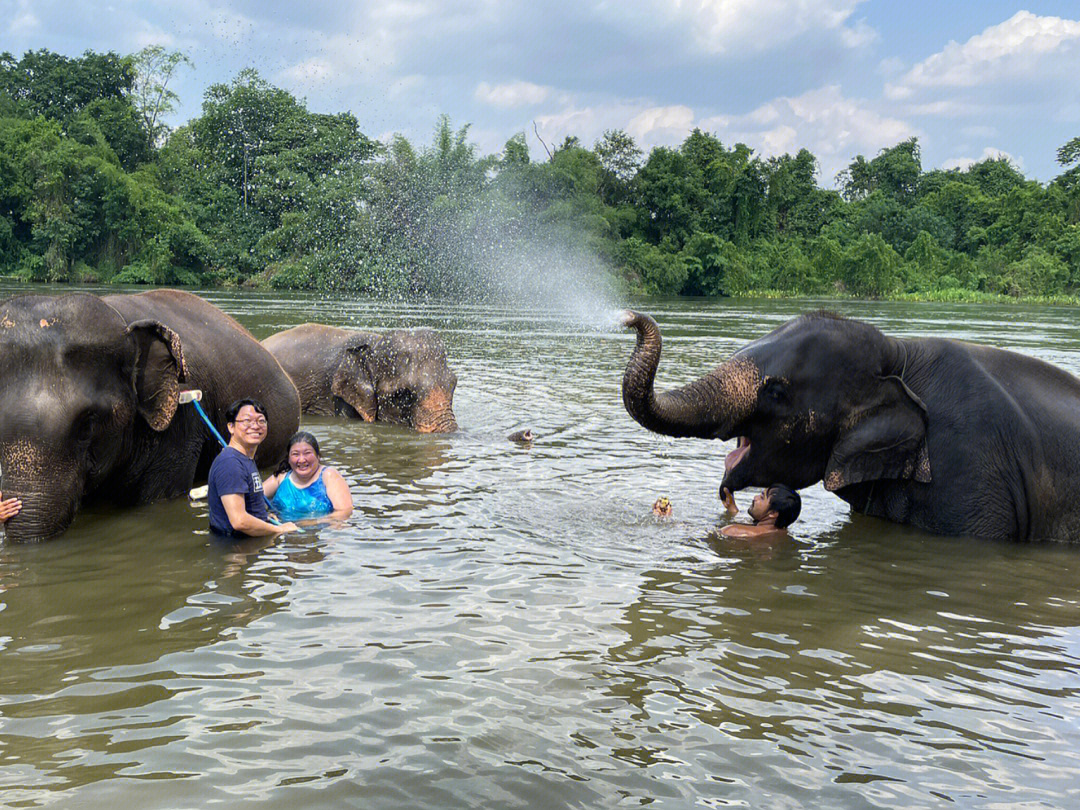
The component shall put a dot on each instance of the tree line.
(260, 190)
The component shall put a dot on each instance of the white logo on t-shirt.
(256, 481)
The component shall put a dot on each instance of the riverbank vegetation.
(260, 190)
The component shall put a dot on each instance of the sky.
(969, 78)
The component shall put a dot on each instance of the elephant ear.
(353, 380)
(885, 440)
(158, 371)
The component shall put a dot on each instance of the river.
(499, 627)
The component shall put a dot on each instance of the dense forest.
(259, 190)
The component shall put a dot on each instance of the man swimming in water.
(772, 510)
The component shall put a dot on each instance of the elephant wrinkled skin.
(89, 406)
(951, 437)
(396, 376)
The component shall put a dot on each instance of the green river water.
(499, 627)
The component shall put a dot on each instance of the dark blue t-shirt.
(233, 473)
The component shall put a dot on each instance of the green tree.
(925, 262)
(154, 68)
(1035, 273)
(870, 267)
(620, 159)
(54, 86)
(671, 196)
(657, 272)
(88, 96)
(1068, 156)
(895, 172)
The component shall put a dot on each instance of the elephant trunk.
(435, 414)
(707, 408)
(49, 487)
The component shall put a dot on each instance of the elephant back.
(223, 359)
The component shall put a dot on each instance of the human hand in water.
(284, 528)
(9, 508)
(727, 498)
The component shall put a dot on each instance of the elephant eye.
(776, 392)
(403, 399)
(85, 426)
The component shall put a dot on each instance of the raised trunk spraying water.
(711, 407)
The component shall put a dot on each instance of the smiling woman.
(303, 487)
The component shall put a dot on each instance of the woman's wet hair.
(786, 503)
(297, 438)
(234, 409)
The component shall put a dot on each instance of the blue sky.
(839, 77)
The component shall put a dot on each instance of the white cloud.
(749, 26)
(310, 72)
(150, 35)
(23, 20)
(989, 153)
(513, 94)
(648, 124)
(890, 66)
(824, 121)
(942, 107)
(1024, 47)
(230, 25)
(834, 127)
(859, 35)
(661, 123)
(405, 84)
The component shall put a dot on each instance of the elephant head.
(398, 376)
(821, 398)
(79, 386)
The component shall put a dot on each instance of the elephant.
(396, 376)
(90, 403)
(950, 437)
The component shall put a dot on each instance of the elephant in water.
(396, 376)
(950, 437)
(89, 406)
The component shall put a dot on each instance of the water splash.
(557, 281)
(494, 253)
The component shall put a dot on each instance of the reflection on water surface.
(505, 627)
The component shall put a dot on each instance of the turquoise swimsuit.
(293, 503)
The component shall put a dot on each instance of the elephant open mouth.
(742, 448)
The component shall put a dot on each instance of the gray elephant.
(396, 376)
(950, 437)
(89, 407)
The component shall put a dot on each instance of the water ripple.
(504, 627)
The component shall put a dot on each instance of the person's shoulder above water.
(228, 456)
(303, 485)
(338, 491)
(231, 469)
(772, 511)
(752, 530)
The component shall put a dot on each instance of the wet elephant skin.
(89, 408)
(951, 437)
(400, 376)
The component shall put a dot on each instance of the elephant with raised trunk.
(950, 437)
(89, 406)
(399, 376)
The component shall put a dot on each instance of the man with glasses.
(234, 492)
